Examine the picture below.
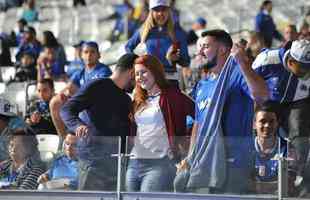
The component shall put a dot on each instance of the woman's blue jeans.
(150, 175)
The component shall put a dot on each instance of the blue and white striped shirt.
(283, 85)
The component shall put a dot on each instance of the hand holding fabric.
(82, 131)
(183, 165)
(240, 55)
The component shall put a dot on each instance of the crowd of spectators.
(218, 122)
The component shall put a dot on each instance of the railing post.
(282, 172)
(121, 165)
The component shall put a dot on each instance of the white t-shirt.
(151, 141)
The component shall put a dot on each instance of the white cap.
(300, 51)
(6, 108)
(156, 3)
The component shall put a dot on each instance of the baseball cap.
(6, 108)
(300, 51)
(92, 44)
(157, 3)
(201, 21)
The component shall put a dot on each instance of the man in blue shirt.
(269, 146)
(93, 70)
(108, 108)
(65, 166)
(264, 24)
(287, 73)
(236, 120)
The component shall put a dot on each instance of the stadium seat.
(2, 88)
(31, 91)
(48, 146)
(7, 73)
(59, 85)
(15, 93)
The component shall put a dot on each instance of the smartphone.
(175, 46)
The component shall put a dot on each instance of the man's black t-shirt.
(107, 107)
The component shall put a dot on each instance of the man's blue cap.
(92, 44)
(201, 21)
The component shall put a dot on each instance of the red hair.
(157, 69)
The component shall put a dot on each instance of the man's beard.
(129, 88)
(208, 64)
(211, 63)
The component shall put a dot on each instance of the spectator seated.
(39, 117)
(63, 173)
(24, 166)
(269, 148)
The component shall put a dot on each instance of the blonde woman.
(161, 38)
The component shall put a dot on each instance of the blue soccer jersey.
(63, 167)
(237, 114)
(283, 85)
(79, 78)
(266, 165)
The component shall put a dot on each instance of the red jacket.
(175, 106)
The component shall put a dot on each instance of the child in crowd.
(39, 113)
(26, 69)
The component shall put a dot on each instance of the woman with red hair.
(160, 112)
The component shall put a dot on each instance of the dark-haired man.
(39, 116)
(244, 85)
(108, 107)
(265, 25)
(269, 145)
(93, 69)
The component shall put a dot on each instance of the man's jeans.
(97, 169)
(150, 175)
(98, 174)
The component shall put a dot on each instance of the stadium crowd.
(215, 122)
